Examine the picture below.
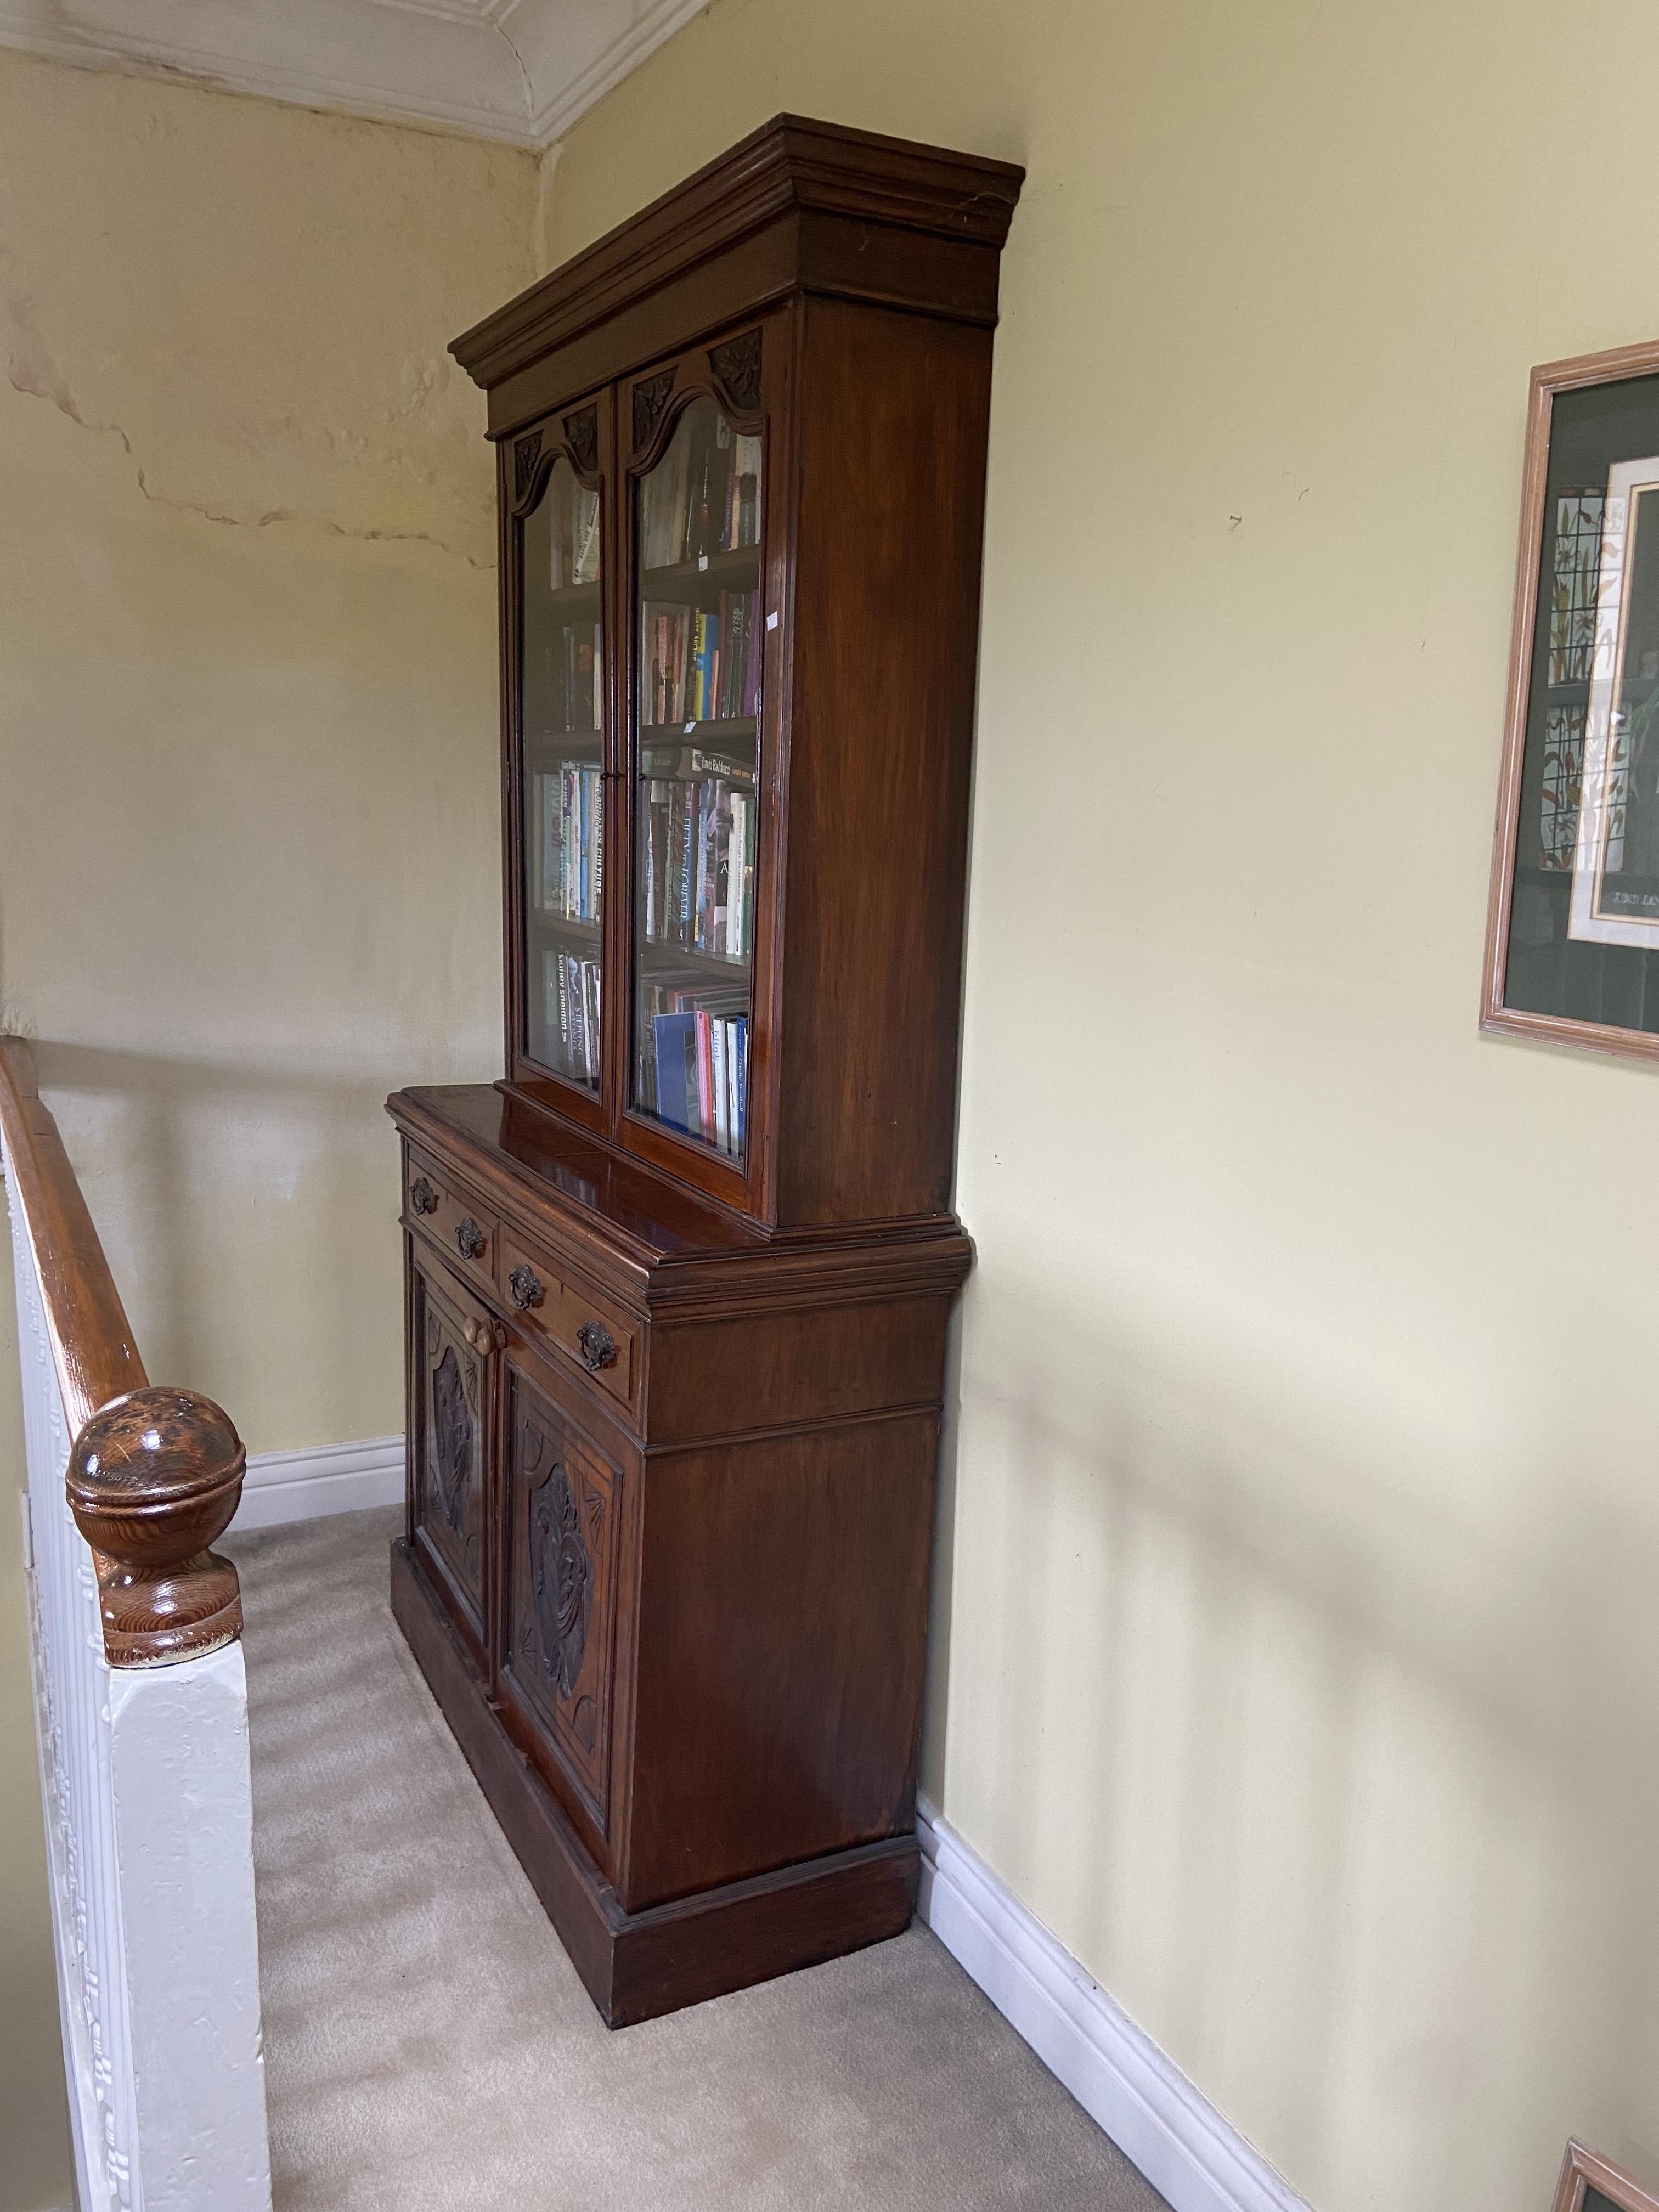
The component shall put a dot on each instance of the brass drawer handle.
(597, 1345)
(422, 1197)
(470, 1238)
(525, 1288)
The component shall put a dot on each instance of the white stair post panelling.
(147, 1795)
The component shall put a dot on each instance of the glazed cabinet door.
(452, 1366)
(701, 758)
(555, 694)
(562, 1505)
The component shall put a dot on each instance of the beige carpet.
(429, 2044)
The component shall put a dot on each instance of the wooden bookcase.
(678, 1286)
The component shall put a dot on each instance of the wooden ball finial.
(154, 1478)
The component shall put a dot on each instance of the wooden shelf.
(655, 956)
(572, 596)
(563, 925)
(698, 733)
(741, 564)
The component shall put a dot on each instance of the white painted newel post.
(142, 1713)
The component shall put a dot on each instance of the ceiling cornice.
(520, 71)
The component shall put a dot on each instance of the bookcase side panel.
(893, 423)
(782, 1629)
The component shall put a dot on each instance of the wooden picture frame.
(1583, 2171)
(1548, 383)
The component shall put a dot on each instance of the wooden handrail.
(91, 1337)
(155, 1474)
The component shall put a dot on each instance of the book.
(574, 1027)
(676, 1038)
(696, 835)
(591, 1028)
(736, 944)
(737, 1074)
(585, 537)
(704, 495)
(546, 891)
(718, 1084)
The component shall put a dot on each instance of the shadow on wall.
(1328, 1748)
(249, 1216)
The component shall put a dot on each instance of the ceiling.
(520, 71)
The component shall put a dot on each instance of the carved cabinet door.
(562, 1505)
(452, 1380)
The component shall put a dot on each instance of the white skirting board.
(1137, 2094)
(303, 1485)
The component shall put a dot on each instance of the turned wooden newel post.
(155, 1476)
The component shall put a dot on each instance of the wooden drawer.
(466, 1232)
(559, 1307)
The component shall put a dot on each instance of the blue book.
(740, 1028)
(676, 1062)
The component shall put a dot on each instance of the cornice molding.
(792, 162)
(517, 71)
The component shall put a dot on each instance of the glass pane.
(697, 694)
(562, 706)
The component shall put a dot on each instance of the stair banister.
(140, 1705)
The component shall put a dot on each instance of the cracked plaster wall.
(249, 826)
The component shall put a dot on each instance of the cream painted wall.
(1302, 1657)
(249, 845)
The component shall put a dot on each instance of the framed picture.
(1572, 928)
(1589, 2183)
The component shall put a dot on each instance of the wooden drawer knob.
(421, 1196)
(470, 1238)
(597, 1345)
(485, 1336)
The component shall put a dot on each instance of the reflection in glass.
(697, 692)
(562, 706)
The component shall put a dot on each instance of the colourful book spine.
(687, 862)
(705, 1078)
(599, 841)
(718, 1084)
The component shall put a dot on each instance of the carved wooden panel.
(563, 1500)
(582, 429)
(450, 1443)
(526, 454)
(650, 397)
(737, 365)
